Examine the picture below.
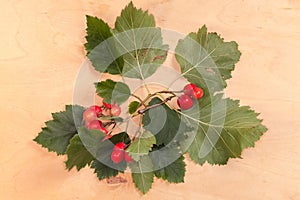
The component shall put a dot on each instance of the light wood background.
(41, 50)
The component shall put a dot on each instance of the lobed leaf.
(173, 173)
(58, 132)
(206, 59)
(113, 92)
(100, 147)
(164, 123)
(141, 145)
(103, 171)
(100, 47)
(224, 132)
(139, 42)
(78, 155)
(142, 174)
(168, 163)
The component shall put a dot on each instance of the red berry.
(117, 156)
(97, 109)
(106, 105)
(87, 123)
(127, 157)
(189, 88)
(120, 146)
(89, 115)
(185, 102)
(193, 91)
(115, 110)
(96, 124)
(197, 93)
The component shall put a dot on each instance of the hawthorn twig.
(137, 97)
(142, 111)
(110, 123)
(157, 93)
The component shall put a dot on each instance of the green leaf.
(97, 31)
(102, 56)
(103, 171)
(139, 42)
(168, 163)
(58, 132)
(133, 106)
(104, 167)
(100, 147)
(173, 173)
(142, 174)
(112, 91)
(93, 139)
(206, 60)
(141, 145)
(78, 155)
(131, 18)
(223, 132)
(164, 123)
(120, 137)
(116, 118)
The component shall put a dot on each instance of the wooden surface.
(41, 50)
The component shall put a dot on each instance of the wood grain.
(41, 49)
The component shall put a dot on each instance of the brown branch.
(142, 111)
(137, 97)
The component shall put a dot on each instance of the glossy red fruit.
(185, 102)
(120, 146)
(89, 115)
(197, 93)
(189, 88)
(95, 124)
(92, 113)
(87, 123)
(117, 156)
(127, 157)
(96, 108)
(106, 105)
(115, 110)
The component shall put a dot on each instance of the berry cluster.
(92, 114)
(101, 118)
(118, 153)
(191, 92)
